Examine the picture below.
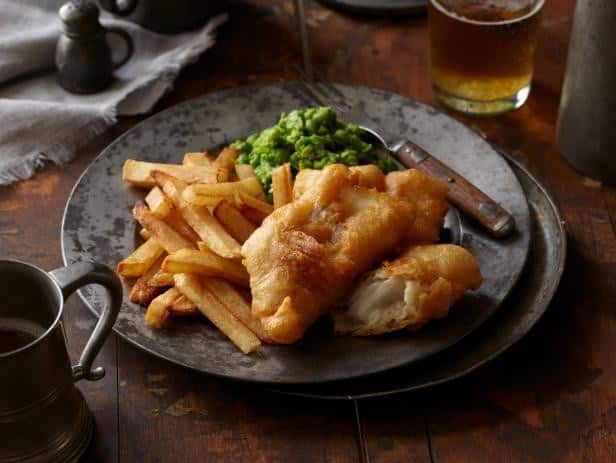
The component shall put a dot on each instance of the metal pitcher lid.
(80, 17)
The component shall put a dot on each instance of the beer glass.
(482, 52)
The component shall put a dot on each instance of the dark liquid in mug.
(15, 333)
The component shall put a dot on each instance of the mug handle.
(74, 276)
(114, 7)
(130, 48)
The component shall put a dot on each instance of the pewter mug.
(585, 130)
(43, 416)
(165, 16)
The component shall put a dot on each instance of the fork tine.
(308, 92)
(333, 95)
(322, 92)
(332, 99)
(332, 88)
(305, 98)
(319, 78)
(329, 86)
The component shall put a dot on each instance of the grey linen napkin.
(41, 123)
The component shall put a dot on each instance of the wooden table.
(551, 398)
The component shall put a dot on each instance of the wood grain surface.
(551, 398)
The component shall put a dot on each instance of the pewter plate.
(520, 311)
(98, 226)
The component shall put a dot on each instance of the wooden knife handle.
(462, 193)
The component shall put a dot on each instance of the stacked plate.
(521, 272)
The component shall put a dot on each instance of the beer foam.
(503, 11)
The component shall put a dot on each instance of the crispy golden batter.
(369, 176)
(428, 195)
(419, 286)
(307, 254)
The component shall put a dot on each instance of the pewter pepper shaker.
(83, 55)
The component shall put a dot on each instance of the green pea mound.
(310, 138)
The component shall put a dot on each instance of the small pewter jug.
(585, 131)
(43, 416)
(83, 55)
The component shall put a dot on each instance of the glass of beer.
(482, 51)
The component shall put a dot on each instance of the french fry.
(158, 203)
(226, 161)
(161, 279)
(215, 311)
(162, 178)
(233, 221)
(159, 309)
(140, 260)
(205, 262)
(177, 222)
(254, 203)
(235, 303)
(249, 186)
(224, 175)
(212, 232)
(198, 159)
(169, 239)
(142, 292)
(144, 234)
(226, 158)
(282, 185)
(252, 208)
(174, 217)
(183, 307)
(201, 201)
(139, 173)
(304, 180)
(254, 216)
(246, 171)
(200, 219)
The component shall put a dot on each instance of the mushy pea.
(309, 139)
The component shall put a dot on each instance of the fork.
(462, 193)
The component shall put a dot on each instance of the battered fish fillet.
(419, 286)
(369, 176)
(307, 254)
(428, 196)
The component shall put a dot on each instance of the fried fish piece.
(419, 286)
(307, 254)
(428, 195)
(369, 176)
